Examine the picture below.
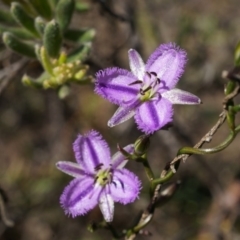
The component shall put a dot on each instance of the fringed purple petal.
(80, 196)
(91, 151)
(137, 65)
(106, 205)
(168, 62)
(125, 186)
(177, 96)
(119, 160)
(114, 84)
(153, 115)
(70, 168)
(123, 113)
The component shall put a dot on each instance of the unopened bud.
(141, 145)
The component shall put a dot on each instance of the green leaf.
(42, 7)
(16, 31)
(81, 36)
(21, 16)
(81, 53)
(52, 39)
(18, 46)
(64, 12)
(6, 17)
(53, 4)
(40, 25)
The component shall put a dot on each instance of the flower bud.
(141, 145)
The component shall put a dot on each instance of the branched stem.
(229, 111)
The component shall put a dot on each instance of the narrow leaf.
(42, 7)
(52, 39)
(81, 36)
(64, 12)
(18, 46)
(21, 16)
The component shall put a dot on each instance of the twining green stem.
(201, 151)
(147, 167)
(230, 87)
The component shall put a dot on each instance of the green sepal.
(141, 145)
(17, 31)
(18, 46)
(237, 55)
(64, 12)
(52, 39)
(40, 25)
(81, 53)
(6, 17)
(81, 36)
(42, 7)
(22, 17)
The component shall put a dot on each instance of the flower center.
(103, 176)
(149, 86)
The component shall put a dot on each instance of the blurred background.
(37, 128)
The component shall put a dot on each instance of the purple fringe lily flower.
(148, 91)
(98, 179)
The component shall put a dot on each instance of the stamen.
(149, 75)
(98, 167)
(157, 95)
(142, 92)
(114, 184)
(154, 74)
(122, 185)
(136, 82)
(95, 180)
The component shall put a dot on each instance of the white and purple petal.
(106, 205)
(119, 160)
(91, 151)
(125, 186)
(177, 96)
(153, 115)
(80, 196)
(136, 63)
(70, 168)
(114, 84)
(123, 113)
(168, 62)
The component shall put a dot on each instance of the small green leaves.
(21, 16)
(52, 39)
(64, 13)
(18, 46)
